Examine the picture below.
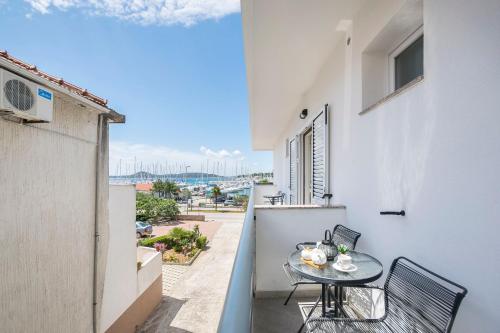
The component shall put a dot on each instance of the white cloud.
(146, 12)
(126, 158)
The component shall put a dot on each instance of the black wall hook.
(401, 213)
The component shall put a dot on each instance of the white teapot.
(306, 254)
(318, 257)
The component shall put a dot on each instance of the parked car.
(143, 229)
(229, 202)
(220, 199)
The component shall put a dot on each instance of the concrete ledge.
(190, 217)
(298, 207)
(138, 312)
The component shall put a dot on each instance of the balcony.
(259, 286)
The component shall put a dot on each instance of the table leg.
(323, 299)
(340, 298)
(328, 295)
(336, 293)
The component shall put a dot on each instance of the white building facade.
(54, 226)
(426, 141)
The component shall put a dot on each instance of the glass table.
(273, 199)
(369, 270)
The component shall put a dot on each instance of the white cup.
(344, 261)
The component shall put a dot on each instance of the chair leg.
(309, 315)
(291, 293)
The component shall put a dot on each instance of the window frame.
(419, 32)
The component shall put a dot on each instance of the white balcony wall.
(150, 270)
(121, 271)
(278, 229)
(124, 284)
(433, 150)
(261, 190)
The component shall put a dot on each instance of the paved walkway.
(171, 274)
(193, 303)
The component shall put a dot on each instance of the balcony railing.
(237, 312)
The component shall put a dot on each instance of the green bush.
(178, 239)
(181, 234)
(167, 209)
(165, 239)
(149, 207)
(201, 242)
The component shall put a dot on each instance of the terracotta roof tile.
(143, 187)
(71, 87)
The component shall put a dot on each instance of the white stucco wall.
(151, 268)
(278, 229)
(47, 199)
(433, 151)
(261, 190)
(121, 272)
(123, 283)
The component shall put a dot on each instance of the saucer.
(351, 268)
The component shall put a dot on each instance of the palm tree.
(170, 189)
(216, 192)
(159, 187)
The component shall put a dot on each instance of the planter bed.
(183, 259)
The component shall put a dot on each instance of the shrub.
(165, 239)
(167, 209)
(196, 230)
(149, 207)
(180, 234)
(201, 242)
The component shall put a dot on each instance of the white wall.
(151, 268)
(261, 190)
(47, 205)
(121, 272)
(123, 283)
(278, 229)
(433, 151)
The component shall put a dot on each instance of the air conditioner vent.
(19, 95)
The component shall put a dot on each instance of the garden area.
(179, 246)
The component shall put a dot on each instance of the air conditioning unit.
(24, 98)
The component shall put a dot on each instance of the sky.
(175, 68)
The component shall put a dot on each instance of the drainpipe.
(101, 146)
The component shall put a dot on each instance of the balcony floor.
(271, 316)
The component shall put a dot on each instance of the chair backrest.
(419, 300)
(346, 236)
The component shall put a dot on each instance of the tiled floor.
(271, 316)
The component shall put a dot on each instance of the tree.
(150, 208)
(216, 192)
(167, 209)
(159, 187)
(185, 194)
(170, 189)
(241, 200)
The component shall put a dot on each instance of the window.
(394, 59)
(409, 63)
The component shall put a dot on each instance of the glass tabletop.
(368, 269)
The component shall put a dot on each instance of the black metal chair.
(340, 235)
(416, 300)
